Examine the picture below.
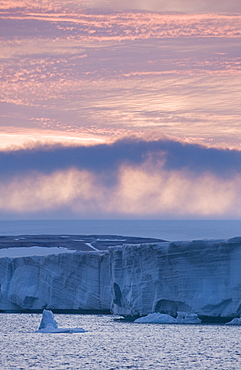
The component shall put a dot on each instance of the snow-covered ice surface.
(49, 325)
(32, 251)
(91, 246)
(108, 240)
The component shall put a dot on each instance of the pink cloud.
(124, 179)
(133, 25)
(153, 5)
(109, 75)
(138, 191)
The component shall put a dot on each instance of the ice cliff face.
(203, 277)
(71, 281)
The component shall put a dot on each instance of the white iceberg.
(235, 321)
(156, 318)
(49, 325)
(187, 318)
(161, 318)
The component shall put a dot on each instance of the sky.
(119, 109)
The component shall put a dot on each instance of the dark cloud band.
(108, 158)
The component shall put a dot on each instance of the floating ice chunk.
(48, 320)
(156, 318)
(235, 321)
(187, 318)
(49, 325)
(161, 318)
(50, 330)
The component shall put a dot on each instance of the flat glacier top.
(42, 245)
(32, 251)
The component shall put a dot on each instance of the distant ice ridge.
(49, 325)
(162, 318)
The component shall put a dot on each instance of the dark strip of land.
(74, 242)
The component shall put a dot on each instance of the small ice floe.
(49, 325)
(187, 318)
(235, 321)
(161, 318)
(156, 318)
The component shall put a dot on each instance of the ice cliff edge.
(203, 277)
(77, 281)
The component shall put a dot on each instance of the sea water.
(164, 229)
(112, 344)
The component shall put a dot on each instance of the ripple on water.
(111, 344)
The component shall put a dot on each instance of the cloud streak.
(117, 26)
(153, 5)
(139, 191)
(107, 74)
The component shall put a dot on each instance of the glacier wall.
(71, 281)
(203, 277)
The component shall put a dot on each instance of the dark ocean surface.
(163, 229)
